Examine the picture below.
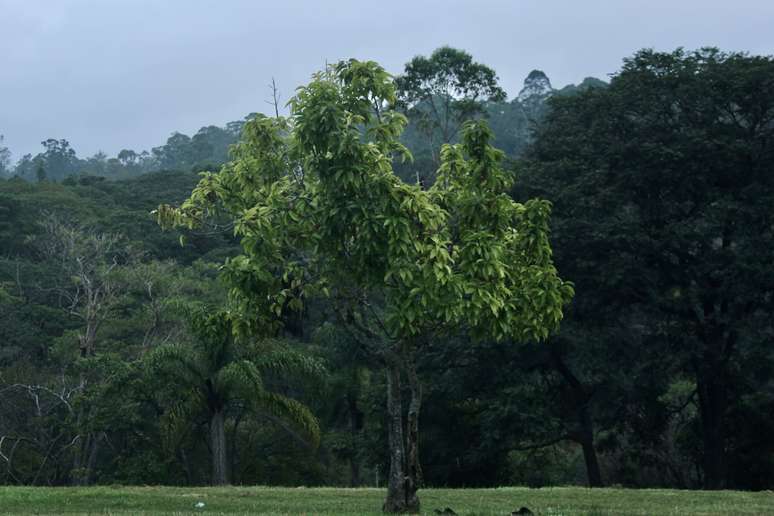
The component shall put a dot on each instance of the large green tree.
(663, 189)
(320, 212)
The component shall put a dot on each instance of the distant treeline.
(209, 147)
(58, 161)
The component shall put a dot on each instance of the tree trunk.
(218, 446)
(396, 501)
(84, 459)
(355, 418)
(586, 434)
(79, 450)
(589, 451)
(234, 452)
(712, 404)
(86, 340)
(354, 472)
(186, 467)
(414, 477)
(75, 471)
(92, 458)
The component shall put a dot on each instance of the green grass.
(267, 500)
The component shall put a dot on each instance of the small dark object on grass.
(448, 511)
(522, 512)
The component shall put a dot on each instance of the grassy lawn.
(266, 500)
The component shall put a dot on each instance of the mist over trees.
(408, 281)
(438, 93)
(59, 161)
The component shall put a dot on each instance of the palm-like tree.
(215, 374)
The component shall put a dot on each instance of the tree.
(25, 167)
(443, 91)
(58, 160)
(88, 260)
(40, 172)
(320, 212)
(127, 157)
(176, 154)
(5, 159)
(209, 146)
(662, 181)
(219, 377)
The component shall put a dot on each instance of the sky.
(114, 74)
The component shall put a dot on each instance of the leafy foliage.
(445, 89)
(461, 251)
(661, 183)
(215, 376)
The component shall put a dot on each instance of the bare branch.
(275, 97)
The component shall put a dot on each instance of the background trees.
(442, 91)
(78, 304)
(438, 94)
(5, 158)
(649, 180)
(207, 148)
(662, 181)
(57, 161)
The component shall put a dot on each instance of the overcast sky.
(113, 74)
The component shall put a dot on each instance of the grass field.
(266, 500)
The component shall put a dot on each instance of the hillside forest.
(407, 281)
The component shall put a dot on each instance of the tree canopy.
(662, 183)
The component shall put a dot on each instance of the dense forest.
(137, 355)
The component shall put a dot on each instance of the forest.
(406, 281)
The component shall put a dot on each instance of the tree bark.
(84, 459)
(92, 459)
(396, 501)
(712, 406)
(87, 340)
(355, 417)
(593, 473)
(76, 473)
(586, 434)
(186, 467)
(414, 477)
(218, 447)
(234, 452)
